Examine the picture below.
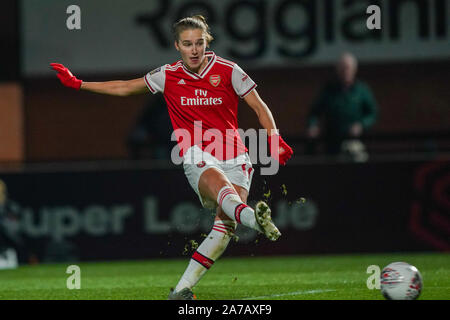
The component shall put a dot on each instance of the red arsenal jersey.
(203, 107)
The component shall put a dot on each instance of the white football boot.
(264, 219)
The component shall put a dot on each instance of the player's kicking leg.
(214, 185)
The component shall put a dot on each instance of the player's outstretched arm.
(279, 149)
(115, 88)
(121, 88)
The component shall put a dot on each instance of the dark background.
(381, 206)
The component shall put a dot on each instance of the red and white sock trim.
(203, 260)
(238, 210)
(225, 191)
(221, 227)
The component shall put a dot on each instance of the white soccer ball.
(401, 281)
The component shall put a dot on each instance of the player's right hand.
(66, 77)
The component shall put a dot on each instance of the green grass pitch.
(315, 277)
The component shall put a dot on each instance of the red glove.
(283, 153)
(66, 77)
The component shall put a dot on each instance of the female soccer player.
(202, 91)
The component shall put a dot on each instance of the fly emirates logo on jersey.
(201, 99)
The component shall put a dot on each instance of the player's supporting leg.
(210, 249)
(208, 252)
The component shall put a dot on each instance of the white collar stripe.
(207, 68)
(225, 60)
(190, 73)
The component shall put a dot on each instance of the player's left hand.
(284, 151)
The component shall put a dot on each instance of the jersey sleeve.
(156, 79)
(242, 83)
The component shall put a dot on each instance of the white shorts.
(238, 170)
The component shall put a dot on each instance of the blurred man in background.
(344, 109)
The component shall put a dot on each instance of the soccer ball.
(400, 281)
